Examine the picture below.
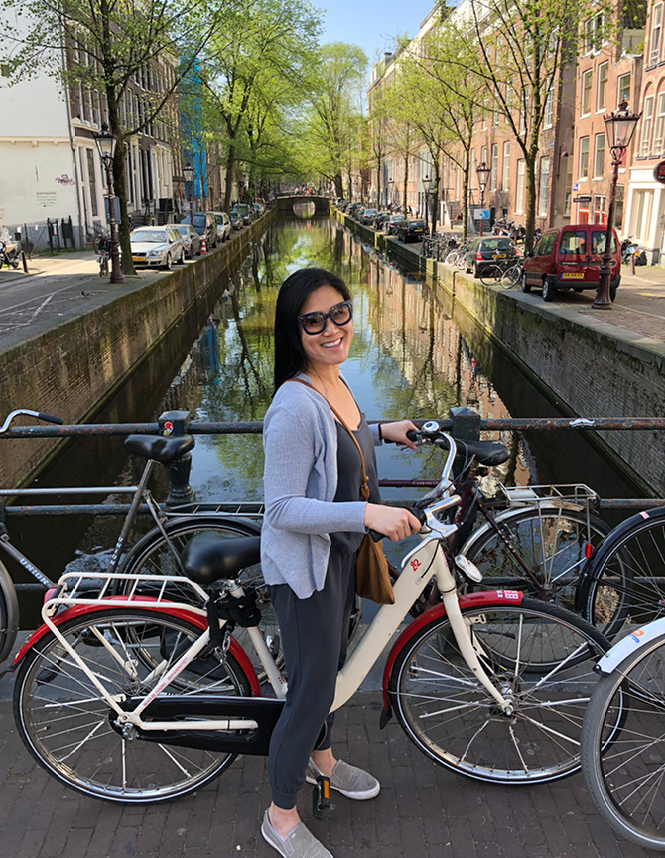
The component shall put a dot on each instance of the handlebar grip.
(49, 418)
(412, 435)
(376, 536)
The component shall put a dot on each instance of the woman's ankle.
(282, 820)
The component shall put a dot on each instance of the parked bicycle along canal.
(408, 359)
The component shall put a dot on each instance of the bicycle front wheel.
(452, 718)
(627, 581)
(511, 276)
(624, 769)
(552, 542)
(71, 731)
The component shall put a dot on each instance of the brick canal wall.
(585, 369)
(74, 368)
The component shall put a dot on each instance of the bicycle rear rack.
(566, 496)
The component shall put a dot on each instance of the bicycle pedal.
(321, 797)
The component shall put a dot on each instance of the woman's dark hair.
(290, 358)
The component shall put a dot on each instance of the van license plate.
(572, 275)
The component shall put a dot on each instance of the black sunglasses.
(315, 323)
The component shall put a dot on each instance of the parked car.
(191, 238)
(224, 227)
(243, 211)
(486, 251)
(380, 219)
(157, 246)
(392, 223)
(411, 230)
(236, 220)
(205, 225)
(368, 216)
(258, 210)
(570, 258)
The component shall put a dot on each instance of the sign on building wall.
(47, 199)
(659, 172)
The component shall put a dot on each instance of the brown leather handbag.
(372, 576)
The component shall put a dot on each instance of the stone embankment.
(71, 366)
(587, 363)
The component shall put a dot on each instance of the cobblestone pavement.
(422, 811)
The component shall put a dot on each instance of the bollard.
(466, 423)
(24, 260)
(632, 264)
(180, 491)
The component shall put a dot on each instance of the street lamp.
(106, 141)
(483, 173)
(188, 173)
(427, 184)
(391, 183)
(619, 129)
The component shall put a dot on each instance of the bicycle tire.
(623, 768)
(451, 257)
(623, 589)
(9, 613)
(449, 716)
(460, 262)
(511, 276)
(69, 729)
(553, 542)
(152, 556)
(491, 276)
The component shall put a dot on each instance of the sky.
(372, 25)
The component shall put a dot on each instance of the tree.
(334, 109)
(103, 46)
(257, 43)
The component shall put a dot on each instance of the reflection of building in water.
(415, 330)
(206, 351)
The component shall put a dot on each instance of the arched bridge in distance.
(306, 205)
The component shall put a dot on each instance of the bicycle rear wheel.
(511, 276)
(624, 770)
(554, 544)
(627, 581)
(451, 717)
(491, 276)
(71, 731)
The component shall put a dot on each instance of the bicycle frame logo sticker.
(168, 428)
(416, 564)
(512, 595)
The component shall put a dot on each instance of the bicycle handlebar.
(47, 418)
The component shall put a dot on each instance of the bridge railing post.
(177, 423)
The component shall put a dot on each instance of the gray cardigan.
(300, 480)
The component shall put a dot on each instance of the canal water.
(409, 358)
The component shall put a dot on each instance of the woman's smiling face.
(331, 346)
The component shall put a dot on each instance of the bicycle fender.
(607, 547)
(628, 645)
(472, 600)
(144, 603)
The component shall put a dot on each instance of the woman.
(313, 525)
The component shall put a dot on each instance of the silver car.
(157, 246)
(224, 226)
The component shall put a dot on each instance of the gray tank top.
(349, 479)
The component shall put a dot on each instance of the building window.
(618, 207)
(505, 179)
(587, 83)
(594, 35)
(519, 195)
(655, 34)
(544, 188)
(599, 209)
(584, 158)
(623, 89)
(658, 147)
(599, 157)
(494, 166)
(549, 110)
(602, 87)
(472, 169)
(646, 125)
(483, 155)
(92, 181)
(483, 116)
(568, 195)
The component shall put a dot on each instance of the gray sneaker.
(300, 843)
(349, 780)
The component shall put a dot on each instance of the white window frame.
(621, 87)
(596, 173)
(584, 171)
(656, 32)
(494, 165)
(602, 87)
(505, 175)
(659, 132)
(586, 76)
(548, 111)
(521, 186)
(544, 186)
(647, 116)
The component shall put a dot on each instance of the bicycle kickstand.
(321, 797)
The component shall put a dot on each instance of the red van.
(570, 258)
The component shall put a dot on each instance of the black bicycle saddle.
(210, 557)
(158, 447)
(484, 452)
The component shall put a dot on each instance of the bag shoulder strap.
(364, 488)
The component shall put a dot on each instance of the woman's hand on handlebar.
(396, 523)
(397, 432)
